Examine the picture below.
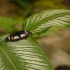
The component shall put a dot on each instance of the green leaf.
(22, 55)
(8, 23)
(41, 22)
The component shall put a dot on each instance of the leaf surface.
(22, 55)
(41, 22)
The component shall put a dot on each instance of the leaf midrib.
(8, 58)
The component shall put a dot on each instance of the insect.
(17, 36)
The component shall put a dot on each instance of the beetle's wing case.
(17, 36)
(7, 39)
(22, 35)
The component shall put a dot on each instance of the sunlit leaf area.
(35, 35)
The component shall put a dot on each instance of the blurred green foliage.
(8, 23)
(26, 5)
(34, 6)
(28, 8)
